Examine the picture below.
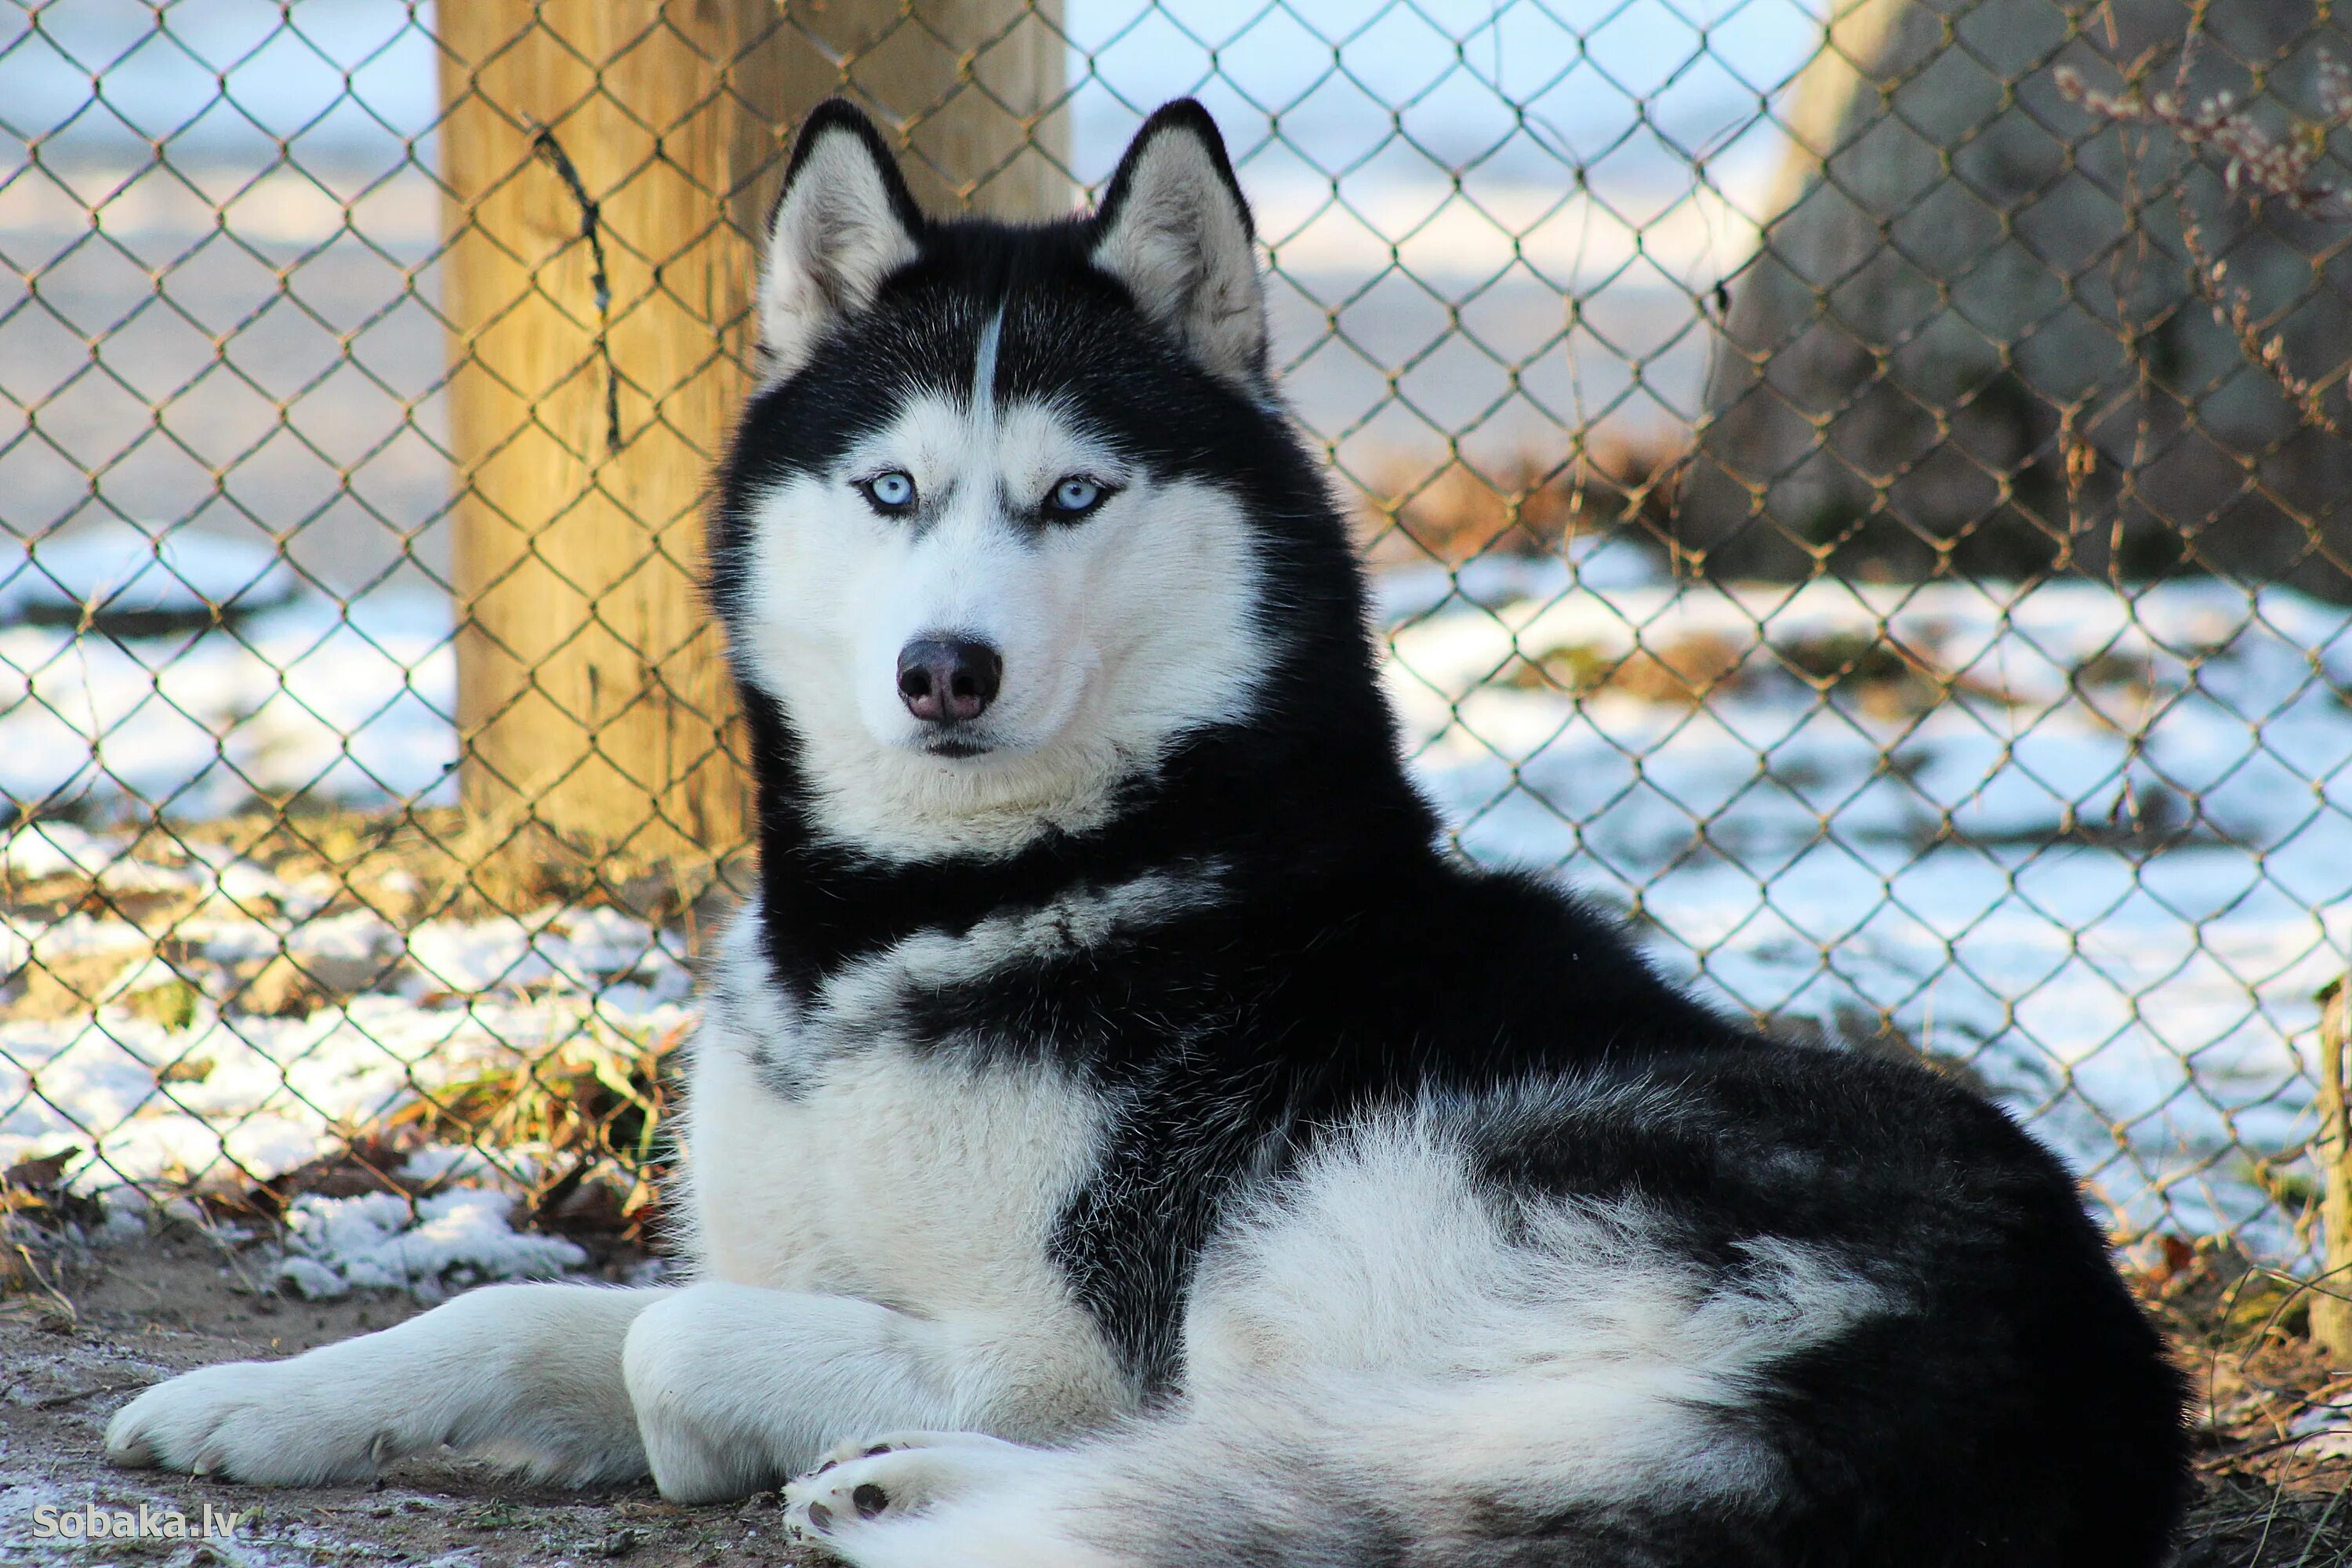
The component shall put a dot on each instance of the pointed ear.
(1174, 230)
(844, 222)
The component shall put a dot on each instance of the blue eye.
(891, 492)
(1074, 495)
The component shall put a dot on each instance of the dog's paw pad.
(845, 1493)
(877, 1480)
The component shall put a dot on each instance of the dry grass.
(597, 1125)
(425, 862)
(1874, 676)
(407, 864)
(1681, 671)
(1449, 511)
(2255, 1522)
(583, 1134)
(38, 1215)
(407, 867)
(2274, 1475)
(579, 1133)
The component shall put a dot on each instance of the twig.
(2234, 309)
(60, 1401)
(45, 1285)
(2252, 157)
(2255, 164)
(2331, 1312)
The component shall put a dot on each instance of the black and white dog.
(1121, 1135)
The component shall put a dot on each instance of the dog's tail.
(1349, 1484)
(1490, 1471)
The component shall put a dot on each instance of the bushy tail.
(1366, 1476)
(1356, 1482)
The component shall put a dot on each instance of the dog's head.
(995, 535)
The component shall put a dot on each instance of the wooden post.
(610, 163)
(2331, 1301)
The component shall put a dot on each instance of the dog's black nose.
(944, 680)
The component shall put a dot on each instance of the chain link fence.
(1838, 487)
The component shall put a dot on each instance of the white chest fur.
(929, 1185)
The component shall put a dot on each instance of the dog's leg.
(737, 1388)
(529, 1372)
(716, 1389)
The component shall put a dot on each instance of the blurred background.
(1862, 492)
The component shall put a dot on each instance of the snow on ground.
(2097, 848)
(346, 704)
(2109, 872)
(163, 1098)
(116, 570)
(376, 1241)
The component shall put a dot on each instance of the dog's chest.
(927, 1180)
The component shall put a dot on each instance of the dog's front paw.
(247, 1421)
(882, 1479)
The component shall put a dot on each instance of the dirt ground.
(143, 1310)
(104, 1322)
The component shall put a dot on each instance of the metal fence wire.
(1864, 492)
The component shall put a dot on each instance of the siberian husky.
(1120, 1134)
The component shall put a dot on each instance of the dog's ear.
(844, 222)
(1173, 228)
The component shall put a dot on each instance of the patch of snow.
(242, 887)
(75, 936)
(1596, 563)
(579, 948)
(441, 1164)
(337, 703)
(2322, 1432)
(355, 934)
(118, 570)
(40, 849)
(449, 1241)
(1969, 869)
(273, 1093)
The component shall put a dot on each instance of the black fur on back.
(2018, 1410)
